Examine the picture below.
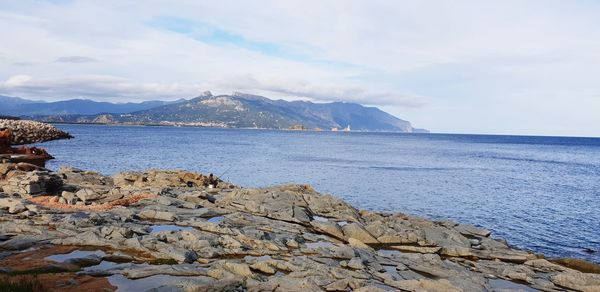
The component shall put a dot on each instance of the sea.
(539, 193)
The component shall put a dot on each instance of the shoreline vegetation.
(195, 232)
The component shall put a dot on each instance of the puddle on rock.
(216, 219)
(502, 285)
(319, 244)
(78, 254)
(124, 284)
(167, 227)
(388, 252)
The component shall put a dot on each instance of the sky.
(494, 67)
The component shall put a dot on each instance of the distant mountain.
(8, 102)
(241, 110)
(22, 107)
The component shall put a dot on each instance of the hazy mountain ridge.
(237, 110)
(23, 107)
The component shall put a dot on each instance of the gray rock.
(14, 206)
(356, 231)
(87, 195)
(157, 215)
(468, 229)
(577, 281)
(328, 228)
(356, 263)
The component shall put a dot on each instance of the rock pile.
(197, 233)
(29, 132)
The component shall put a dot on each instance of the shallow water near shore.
(539, 193)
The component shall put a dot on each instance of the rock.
(339, 285)
(579, 265)
(301, 214)
(189, 205)
(544, 265)
(14, 206)
(239, 269)
(354, 230)
(457, 251)
(32, 208)
(20, 242)
(164, 201)
(470, 230)
(87, 195)
(69, 196)
(510, 256)
(446, 238)
(328, 228)
(85, 261)
(31, 183)
(356, 263)
(424, 285)
(357, 243)
(577, 281)
(263, 267)
(369, 289)
(419, 249)
(292, 243)
(157, 215)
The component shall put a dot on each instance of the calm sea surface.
(540, 193)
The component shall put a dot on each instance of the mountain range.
(238, 110)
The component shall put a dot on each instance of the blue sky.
(500, 67)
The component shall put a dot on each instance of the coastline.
(215, 234)
(230, 128)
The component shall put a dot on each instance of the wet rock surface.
(183, 231)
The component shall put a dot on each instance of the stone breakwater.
(183, 231)
(28, 132)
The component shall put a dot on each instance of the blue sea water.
(539, 193)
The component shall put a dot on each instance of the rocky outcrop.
(29, 132)
(195, 233)
(29, 180)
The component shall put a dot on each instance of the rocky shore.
(182, 231)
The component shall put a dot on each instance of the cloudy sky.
(505, 67)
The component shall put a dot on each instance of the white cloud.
(17, 81)
(111, 88)
(97, 87)
(297, 89)
(75, 59)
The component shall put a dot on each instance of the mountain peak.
(249, 96)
